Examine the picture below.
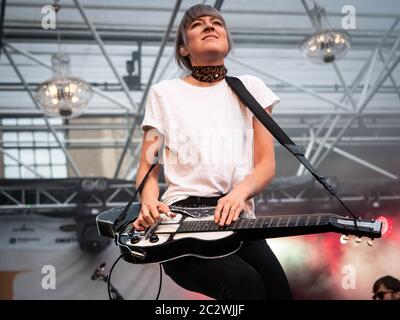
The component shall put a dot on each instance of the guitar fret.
(258, 223)
(313, 220)
(240, 223)
(302, 221)
(250, 223)
(271, 224)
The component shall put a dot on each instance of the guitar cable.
(109, 275)
(119, 225)
(160, 283)
(112, 268)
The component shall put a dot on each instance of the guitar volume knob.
(135, 239)
(154, 238)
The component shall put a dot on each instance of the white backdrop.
(28, 243)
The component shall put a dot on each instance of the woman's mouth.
(210, 37)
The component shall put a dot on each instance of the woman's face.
(206, 42)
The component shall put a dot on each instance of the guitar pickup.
(175, 210)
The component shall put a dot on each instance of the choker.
(209, 73)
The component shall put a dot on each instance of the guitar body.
(194, 232)
(171, 245)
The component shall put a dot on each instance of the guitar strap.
(119, 222)
(248, 100)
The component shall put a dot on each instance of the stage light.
(63, 95)
(88, 235)
(326, 44)
(387, 225)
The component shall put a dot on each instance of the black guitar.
(194, 232)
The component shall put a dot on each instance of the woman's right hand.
(150, 213)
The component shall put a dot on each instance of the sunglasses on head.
(381, 294)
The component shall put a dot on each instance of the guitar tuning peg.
(344, 239)
(358, 240)
(370, 242)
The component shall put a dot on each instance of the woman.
(216, 153)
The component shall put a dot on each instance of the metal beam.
(381, 79)
(142, 6)
(303, 112)
(299, 87)
(2, 13)
(218, 4)
(104, 51)
(95, 90)
(149, 83)
(45, 117)
(277, 88)
(62, 127)
(371, 63)
(363, 162)
(308, 150)
(346, 88)
(118, 144)
(336, 116)
(390, 77)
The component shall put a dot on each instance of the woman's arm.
(230, 206)
(264, 163)
(150, 206)
(150, 144)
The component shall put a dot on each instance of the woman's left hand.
(229, 208)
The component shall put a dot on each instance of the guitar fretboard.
(290, 221)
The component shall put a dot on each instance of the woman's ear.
(183, 52)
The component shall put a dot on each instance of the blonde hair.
(194, 12)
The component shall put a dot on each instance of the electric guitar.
(194, 232)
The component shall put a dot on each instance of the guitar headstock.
(365, 228)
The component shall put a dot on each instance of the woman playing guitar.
(216, 154)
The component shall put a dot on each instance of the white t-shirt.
(208, 135)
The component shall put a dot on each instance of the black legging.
(253, 272)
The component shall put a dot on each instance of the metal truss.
(333, 125)
(90, 195)
(81, 195)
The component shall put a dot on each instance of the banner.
(40, 258)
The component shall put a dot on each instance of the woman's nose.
(209, 26)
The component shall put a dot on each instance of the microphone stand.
(99, 275)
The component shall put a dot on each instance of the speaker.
(88, 236)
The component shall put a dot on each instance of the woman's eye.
(218, 22)
(194, 25)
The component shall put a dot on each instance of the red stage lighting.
(387, 225)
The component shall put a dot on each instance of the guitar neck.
(271, 226)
